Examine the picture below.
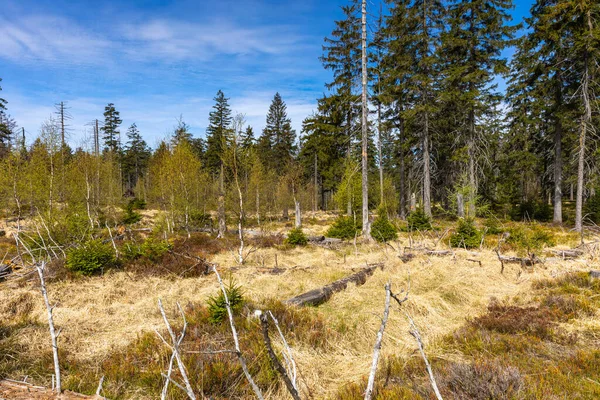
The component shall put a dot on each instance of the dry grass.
(104, 314)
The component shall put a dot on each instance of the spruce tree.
(181, 132)
(218, 129)
(342, 55)
(112, 135)
(471, 47)
(247, 139)
(2, 101)
(276, 145)
(136, 156)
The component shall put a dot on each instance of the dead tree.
(176, 342)
(365, 134)
(275, 361)
(53, 334)
(377, 347)
(236, 340)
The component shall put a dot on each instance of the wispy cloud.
(50, 39)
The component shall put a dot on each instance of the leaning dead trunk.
(53, 333)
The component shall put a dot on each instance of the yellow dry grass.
(101, 314)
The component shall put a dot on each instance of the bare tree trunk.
(460, 205)
(558, 159)
(365, 139)
(585, 120)
(53, 333)
(377, 347)
(380, 152)
(402, 172)
(298, 214)
(426, 169)
(471, 155)
(316, 205)
(221, 206)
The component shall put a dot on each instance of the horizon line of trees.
(440, 132)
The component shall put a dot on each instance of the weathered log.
(568, 254)
(430, 252)
(319, 296)
(316, 239)
(5, 270)
(523, 261)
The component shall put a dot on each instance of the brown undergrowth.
(513, 351)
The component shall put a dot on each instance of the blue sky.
(157, 60)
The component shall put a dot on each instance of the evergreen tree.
(2, 101)
(219, 124)
(247, 139)
(136, 157)
(471, 47)
(276, 145)
(5, 129)
(342, 55)
(182, 132)
(112, 135)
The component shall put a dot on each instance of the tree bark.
(471, 155)
(558, 157)
(298, 215)
(221, 206)
(365, 140)
(585, 120)
(426, 169)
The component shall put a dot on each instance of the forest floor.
(109, 319)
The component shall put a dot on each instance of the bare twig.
(236, 339)
(289, 358)
(274, 360)
(176, 353)
(415, 333)
(377, 347)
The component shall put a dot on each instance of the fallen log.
(319, 296)
(568, 254)
(316, 239)
(430, 252)
(523, 261)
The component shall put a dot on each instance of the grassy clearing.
(108, 320)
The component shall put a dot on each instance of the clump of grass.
(529, 238)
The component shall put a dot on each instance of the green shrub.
(382, 229)
(344, 228)
(131, 217)
(418, 221)
(137, 204)
(151, 249)
(467, 235)
(217, 308)
(91, 257)
(538, 211)
(529, 238)
(199, 219)
(591, 208)
(296, 237)
(493, 226)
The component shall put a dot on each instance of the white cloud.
(49, 38)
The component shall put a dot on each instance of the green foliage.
(530, 237)
(296, 237)
(418, 220)
(492, 226)
(344, 227)
(382, 229)
(150, 249)
(467, 235)
(538, 211)
(199, 219)
(217, 308)
(591, 208)
(93, 256)
(137, 204)
(132, 217)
